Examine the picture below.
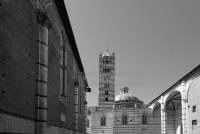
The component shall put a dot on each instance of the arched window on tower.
(107, 70)
(106, 85)
(124, 119)
(106, 92)
(106, 99)
(103, 121)
(144, 118)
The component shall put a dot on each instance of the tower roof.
(106, 53)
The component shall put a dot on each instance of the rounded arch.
(191, 86)
(173, 110)
(172, 97)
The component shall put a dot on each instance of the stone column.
(163, 116)
(184, 108)
(42, 77)
(76, 84)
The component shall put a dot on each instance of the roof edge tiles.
(60, 4)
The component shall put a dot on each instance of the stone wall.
(96, 127)
(134, 121)
(13, 124)
(25, 52)
(18, 57)
(193, 100)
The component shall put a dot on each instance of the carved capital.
(42, 18)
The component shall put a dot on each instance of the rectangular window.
(106, 85)
(62, 117)
(103, 121)
(63, 70)
(80, 101)
(89, 112)
(194, 122)
(74, 69)
(144, 119)
(88, 123)
(104, 77)
(193, 108)
(106, 92)
(124, 120)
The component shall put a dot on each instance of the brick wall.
(18, 70)
(18, 53)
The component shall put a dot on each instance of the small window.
(106, 70)
(135, 105)
(124, 119)
(63, 70)
(88, 123)
(106, 99)
(105, 77)
(144, 119)
(103, 121)
(106, 85)
(194, 122)
(106, 92)
(89, 112)
(193, 108)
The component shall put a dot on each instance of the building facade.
(175, 111)
(115, 114)
(130, 114)
(43, 83)
(101, 116)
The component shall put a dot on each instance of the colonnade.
(173, 109)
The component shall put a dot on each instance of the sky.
(156, 42)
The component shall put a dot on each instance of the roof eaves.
(171, 87)
(60, 4)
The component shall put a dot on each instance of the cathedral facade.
(175, 111)
(123, 113)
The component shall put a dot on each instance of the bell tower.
(106, 79)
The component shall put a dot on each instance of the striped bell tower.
(106, 79)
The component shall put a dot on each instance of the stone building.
(101, 116)
(122, 114)
(175, 111)
(130, 114)
(43, 83)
